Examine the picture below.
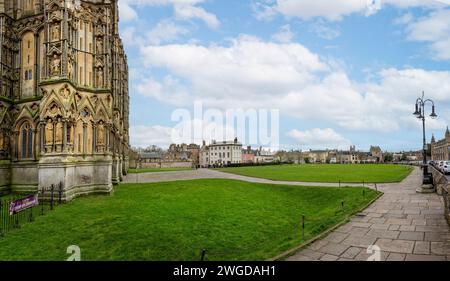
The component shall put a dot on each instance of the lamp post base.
(426, 188)
(427, 183)
(427, 177)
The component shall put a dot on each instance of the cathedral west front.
(64, 102)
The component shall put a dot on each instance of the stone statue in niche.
(99, 46)
(59, 132)
(49, 132)
(5, 142)
(56, 32)
(100, 78)
(70, 69)
(55, 14)
(101, 134)
(54, 109)
(2, 141)
(55, 65)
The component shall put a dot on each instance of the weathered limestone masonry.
(442, 188)
(64, 101)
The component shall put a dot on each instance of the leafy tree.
(388, 157)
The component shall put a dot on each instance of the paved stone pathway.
(404, 224)
(214, 174)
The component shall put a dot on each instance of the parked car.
(439, 165)
(446, 167)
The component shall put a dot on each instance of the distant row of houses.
(227, 153)
(215, 154)
(351, 156)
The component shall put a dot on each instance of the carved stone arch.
(5, 135)
(53, 6)
(105, 108)
(24, 137)
(25, 30)
(22, 120)
(24, 113)
(73, 110)
(86, 114)
(86, 103)
(52, 98)
(101, 116)
(53, 111)
(54, 50)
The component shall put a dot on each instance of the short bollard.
(303, 227)
(342, 204)
(203, 255)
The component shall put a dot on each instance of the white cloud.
(183, 9)
(263, 9)
(330, 10)
(165, 31)
(333, 10)
(404, 19)
(251, 73)
(126, 12)
(284, 35)
(433, 29)
(323, 30)
(319, 138)
(188, 12)
(186, 131)
(168, 89)
(143, 136)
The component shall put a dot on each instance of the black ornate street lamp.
(420, 114)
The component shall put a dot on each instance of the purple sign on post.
(23, 204)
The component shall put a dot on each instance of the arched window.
(27, 141)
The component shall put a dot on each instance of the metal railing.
(11, 219)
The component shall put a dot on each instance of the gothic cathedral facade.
(64, 102)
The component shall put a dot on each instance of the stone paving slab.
(396, 257)
(407, 226)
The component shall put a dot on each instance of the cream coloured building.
(64, 101)
(221, 153)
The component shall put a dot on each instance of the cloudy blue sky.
(340, 72)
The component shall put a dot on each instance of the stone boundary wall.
(442, 185)
(163, 165)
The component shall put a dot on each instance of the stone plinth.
(79, 176)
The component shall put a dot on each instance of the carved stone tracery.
(74, 76)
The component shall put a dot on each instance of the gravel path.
(214, 174)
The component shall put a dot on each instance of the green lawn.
(326, 173)
(232, 220)
(156, 170)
